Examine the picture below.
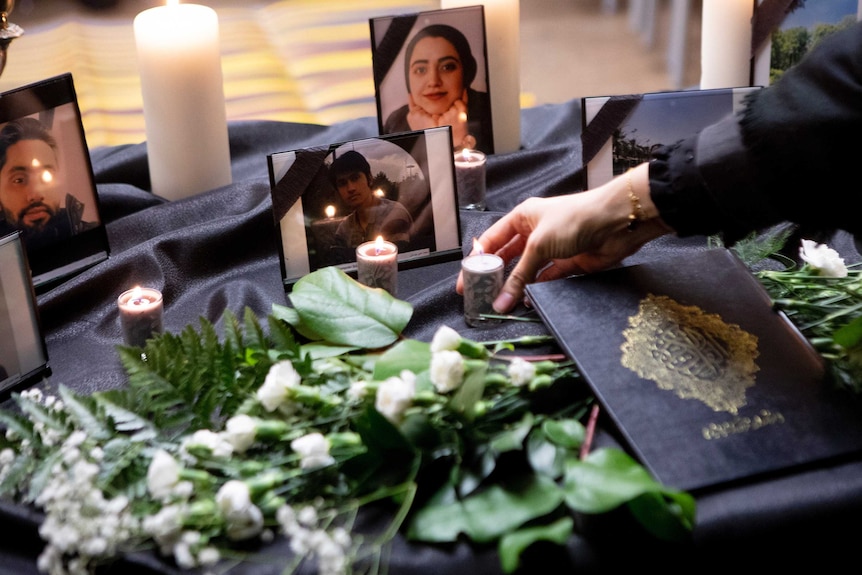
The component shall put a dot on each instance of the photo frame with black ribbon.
(447, 45)
(620, 132)
(47, 187)
(23, 354)
(406, 194)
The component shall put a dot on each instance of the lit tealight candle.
(377, 265)
(140, 315)
(482, 275)
(179, 60)
(470, 179)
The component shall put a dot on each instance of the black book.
(705, 380)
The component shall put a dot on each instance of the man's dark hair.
(454, 37)
(23, 129)
(347, 163)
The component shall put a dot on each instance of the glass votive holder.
(470, 179)
(377, 265)
(141, 311)
(482, 275)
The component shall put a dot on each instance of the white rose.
(240, 432)
(277, 385)
(395, 395)
(521, 371)
(244, 519)
(445, 338)
(162, 475)
(215, 443)
(313, 449)
(447, 370)
(823, 258)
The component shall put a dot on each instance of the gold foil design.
(690, 352)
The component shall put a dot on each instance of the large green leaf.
(344, 312)
(487, 515)
(512, 545)
(409, 354)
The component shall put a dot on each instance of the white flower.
(447, 370)
(215, 443)
(282, 377)
(395, 395)
(521, 371)
(823, 258)
(445, 338)
(240, 432)
(313, 448)
(358, 390)
(162, 475)
(244, 519)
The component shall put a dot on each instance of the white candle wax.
(179, 61)
(503, 37)
(377, 265)
(482, 275)
(725, 50)
(140, 315)
(470, 179)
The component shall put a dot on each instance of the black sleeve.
(791, 155)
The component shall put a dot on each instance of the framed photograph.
(47, 189)
(804, 24)
(430, 70)
(632, 127)
(328, 200)
(23, 355)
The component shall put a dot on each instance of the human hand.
(456, 116)
(572, 234)
(418, 118)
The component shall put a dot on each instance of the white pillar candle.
(140, 315)
(377, 265)
(725, 50)
(503, 37)
(482, 275)
(470, 179)
(179, 61)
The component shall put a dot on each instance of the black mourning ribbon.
(391, 43)
(298, 179)
(767, 18)
(601, 127)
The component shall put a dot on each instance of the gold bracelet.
(637, 214)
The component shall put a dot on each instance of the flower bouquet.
(293, 426)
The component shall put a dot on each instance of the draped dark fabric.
(217, 251)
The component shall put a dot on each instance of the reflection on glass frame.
(23, 355)
(658, 118)
(799, 31)
(47, 188)
(327, 200)
(431, 69)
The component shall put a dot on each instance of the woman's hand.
(573, 234)
(418, 118)
(456, 116)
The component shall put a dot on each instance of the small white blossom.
(447, 370)
(162, 475)
(445, 339)
(358, 390)
(244, 519)
(823, 258)
(395, 395)
(215, 443)
(521, 371)
(275, 391)
(313, 448)
(240, 432)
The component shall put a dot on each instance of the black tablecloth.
(218, 251)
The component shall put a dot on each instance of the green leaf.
(567, 433)
(470, 392)
(606, 479)
(670, 520)
(849, 335)
(323, 350)
(409, 354)
(291, 316)
(513, 544)
(345, 312)
(487, 515)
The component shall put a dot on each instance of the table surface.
(217, 251)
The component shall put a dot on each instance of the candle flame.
(329, 211)
(477, 247)
(378, 245)
(379, 193)
(173, 2)
(137, 292)
(465, 154)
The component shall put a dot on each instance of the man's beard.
(42, 222)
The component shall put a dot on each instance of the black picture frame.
(464, 30)
(632, 126)
(415, 169)
(23, 355)
(81, 240)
